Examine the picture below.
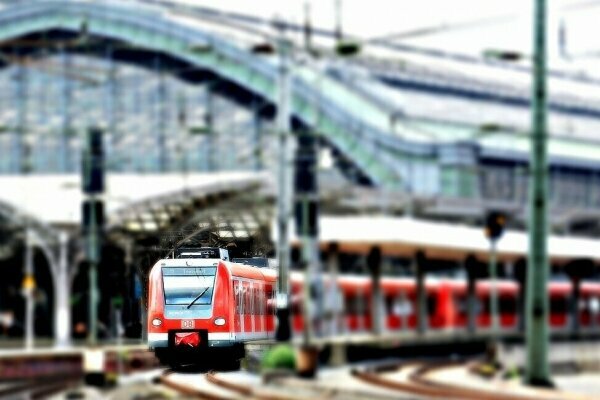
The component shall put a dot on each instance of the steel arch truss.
(351, 123)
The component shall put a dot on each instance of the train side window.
(257, 299)
(390, 305)
(270, 299)
(594, 305)
(247, 299)
(431, 304)
(237, 296)
(350, 305)
(356, 304)
(251, 299)
(462, 304)
(296, 305)
(399, 305)
(559, 305)
(508, 305)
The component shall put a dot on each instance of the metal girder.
(152, 30)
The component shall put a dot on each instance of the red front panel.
(222, 306)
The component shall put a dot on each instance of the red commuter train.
(446, 304)
(203, 306)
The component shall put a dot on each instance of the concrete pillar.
(285, 170)
(575, 299)
(520, 275)
(338, 355)
(470, 265)
(334, 303)
(62, 293)
(374, 265)
(419, 269)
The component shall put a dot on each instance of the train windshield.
(188, 286)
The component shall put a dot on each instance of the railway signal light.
(347, 48)
(494, 225)
(93, 163)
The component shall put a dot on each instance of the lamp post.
(93, 218)
(537, 371)
(284, 188)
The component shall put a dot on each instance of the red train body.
(201, 305)
(447, 304)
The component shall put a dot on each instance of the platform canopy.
(402, 236)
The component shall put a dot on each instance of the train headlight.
(219, 321)
(157, 322)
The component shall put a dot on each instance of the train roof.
(405, 236)
(236, 269)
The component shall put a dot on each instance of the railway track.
(420, 380)
(217, 387)
(36, 389)
(412, 380)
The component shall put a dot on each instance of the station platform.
(79, 361)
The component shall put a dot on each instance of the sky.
(471, 26)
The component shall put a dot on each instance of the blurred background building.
(429, 120)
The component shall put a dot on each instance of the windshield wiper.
(198, 297)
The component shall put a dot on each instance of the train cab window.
(188, 286)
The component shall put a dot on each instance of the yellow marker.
(29, 282)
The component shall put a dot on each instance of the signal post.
(494, 227)
(93, 220)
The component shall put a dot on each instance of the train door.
(441, 307)
(398, 309)
(297, 307)
(508, 310)
(559, 311)
(271, 307)
(257, 297)
(355, 311)
(594, 308)
(237, 290)
(247, 308)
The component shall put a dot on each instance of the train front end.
(189, 314)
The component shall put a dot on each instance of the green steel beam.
(537, 371)
(224, 65)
